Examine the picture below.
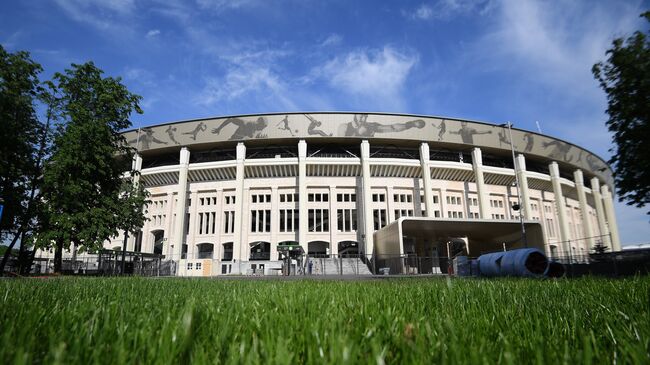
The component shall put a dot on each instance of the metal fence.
(109, 262)
(104, 262)
(612, 264)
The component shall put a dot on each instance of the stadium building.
(236, 194)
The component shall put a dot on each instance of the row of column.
(603, 202)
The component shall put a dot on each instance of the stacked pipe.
(525, 262)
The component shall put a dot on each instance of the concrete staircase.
(339, 266)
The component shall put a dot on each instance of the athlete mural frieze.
(244, 129)
(360, 127)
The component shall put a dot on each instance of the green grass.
(169, 321)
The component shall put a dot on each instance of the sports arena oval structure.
(232, 194)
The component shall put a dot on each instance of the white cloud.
(222, 5)
(446, 9)
(100, 14)
(424, 12)
(153, 33)
(558, 40)
(250, 74)
(245, 82)
(12, 39)
(332, 40)
(553, 46)
(378, 75)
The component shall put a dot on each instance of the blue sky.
(495, 61)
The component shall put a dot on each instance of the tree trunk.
(58, 256)
(29, 260)
(5, 258)
(21, 253)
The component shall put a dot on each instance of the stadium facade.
(227, 192)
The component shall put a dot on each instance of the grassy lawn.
(139, 320)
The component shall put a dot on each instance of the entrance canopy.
(422, 236)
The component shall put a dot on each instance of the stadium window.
(229, 222)
(436, 213)
(288, 220)
(379, 218)
(346, 220)
(318, 220)
(198, 266)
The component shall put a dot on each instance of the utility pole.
(516, 207)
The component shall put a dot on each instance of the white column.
(600, 214)
(367, 198)
(584, 213)
(136, 165)
(611, 218)
(179, 229)
(275, 222)
(481, 191)
(389, 205)
(561, 207)
(237, 246)
(333, 219)
(245, 248)
(146, 244)
(303, 224)
(193, 224)
(426, 179)
(520, 169)
(167, 235)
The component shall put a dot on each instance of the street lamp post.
(516, 207)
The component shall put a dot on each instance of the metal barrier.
(108, 262)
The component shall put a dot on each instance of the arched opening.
(158, 238)
(227, 252)
(204, 250)
(260, 250)
(348, 248)
(318, 248)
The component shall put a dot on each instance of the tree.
(22, 148)
(625, 77)
(88, 199)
